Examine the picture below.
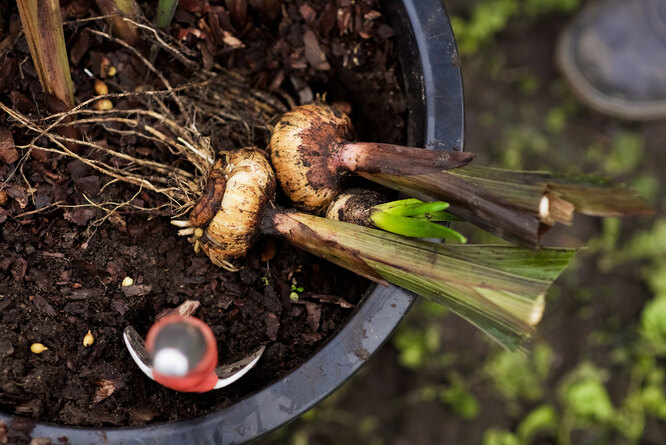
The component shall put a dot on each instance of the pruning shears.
(181, 353)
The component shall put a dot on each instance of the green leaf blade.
(416, 228)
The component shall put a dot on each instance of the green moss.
(543, 418)
(626, 153)
(493, 436)
(647, 244)
(521, 142)
(556, 120)
(415, 346)
(519, 376)
(584, 396)
(647, 186)
(487, 18)
(541, 7)
(460, 400)
(653, 325)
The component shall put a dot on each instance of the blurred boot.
(613, 56)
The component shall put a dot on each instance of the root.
(169, 122)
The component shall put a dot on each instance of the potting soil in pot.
(62, 268)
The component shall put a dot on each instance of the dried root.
(169, 123)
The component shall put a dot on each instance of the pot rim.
(433, 86)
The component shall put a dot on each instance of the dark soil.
(60, 274)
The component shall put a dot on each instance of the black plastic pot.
(433, 84)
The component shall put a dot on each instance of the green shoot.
(412, 207)
(295, 292)
(165, 11)
(414, 218)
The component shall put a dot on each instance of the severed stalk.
(42, 26)
(119, 9)
(312, 147)
(500, 289)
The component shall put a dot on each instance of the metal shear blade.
(227, 374)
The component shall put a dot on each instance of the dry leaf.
(104, 390)
(8, 152)
(313, 52)
(186, 309)
(230, 40)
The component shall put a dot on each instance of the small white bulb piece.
(171, 362)
(544, 207)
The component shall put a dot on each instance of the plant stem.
(42, 25)
(514, 205)
(499, 289)
(373, 157)
(119, 8)
(165, 11)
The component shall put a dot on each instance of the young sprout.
(165, 11)
(407, 217)
(500, 289)
(37, 348)
(295, 292)
(88, 340)
(127, 281)
(312, 147)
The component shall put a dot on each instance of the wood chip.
(272, 325)
(43, 306)
(137, 290)
(118, 221)
(313, 315)
(19, 268)
(8, 152)
(333, 299)
(313, 52)
(80, 215)
(185, 309)
(119, 307)
(307, 13)
(312, 337)
(19, 194)
(3, 433)
(104, 389)
(142, 415)
(372, 15)
(232, 41)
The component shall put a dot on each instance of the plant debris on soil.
(63, 260)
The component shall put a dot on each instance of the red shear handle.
(200, 379)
